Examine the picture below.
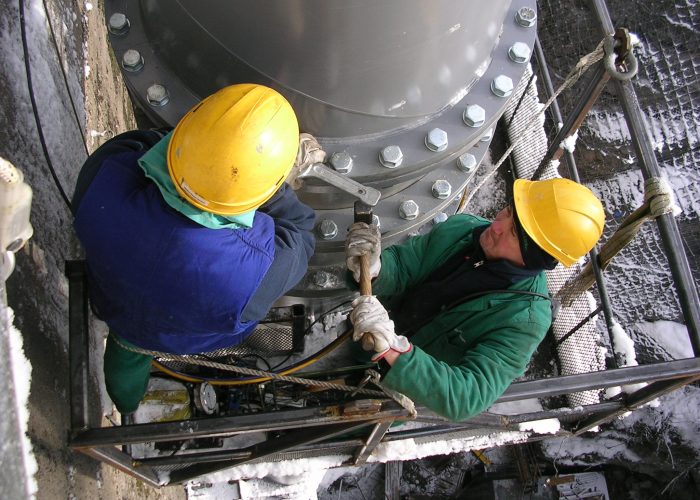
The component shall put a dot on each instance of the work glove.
(369, 317)
(309, 152)
(363, 239)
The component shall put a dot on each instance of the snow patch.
(22, 379)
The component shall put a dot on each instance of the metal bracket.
(368, 195)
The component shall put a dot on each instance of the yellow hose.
(292, 369)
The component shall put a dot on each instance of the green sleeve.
(469, 387)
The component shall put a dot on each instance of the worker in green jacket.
(459, 311)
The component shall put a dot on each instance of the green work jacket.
(465, 357)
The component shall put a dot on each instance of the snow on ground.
(21, 378)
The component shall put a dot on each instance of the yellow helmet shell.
(563, 217)
(231, 152)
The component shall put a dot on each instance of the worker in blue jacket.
(190, 236)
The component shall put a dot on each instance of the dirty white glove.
(309, 152)
(368, 316)
(363, 239)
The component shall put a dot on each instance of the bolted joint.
(526, 17)
(157, 95)
(488, 135)
(466, 162)
(474, 116)
(327, 229)
(118, 24)
(502, 86)
(436, 140)
(391, 156)
(441, 189)
(519, 52)
(408, 210)
(341, 162)
(439, 217)
(132, 61)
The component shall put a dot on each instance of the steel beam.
(566, 384)
(78, 344)
(637, 399)
(229, 426)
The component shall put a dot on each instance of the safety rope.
(658, 200)
(404, 401)
(581, 67)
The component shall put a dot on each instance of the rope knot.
(659, 195)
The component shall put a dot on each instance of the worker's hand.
(368, 316)
(363, 239)
(309, 152)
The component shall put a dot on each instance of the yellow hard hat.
(231, 152)
(563, 217)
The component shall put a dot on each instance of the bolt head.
(408, 210)
(118, 24)
(441, 189)
(327, 229)
(157, 95)
(391, 156)
(526, 17)
(341, 162)
(474, 116)
(376, 221)
(439, 217)
(487, 136)
(502, 86)
(466, 162)
(132, 60)
(519, 52)
(436, 140)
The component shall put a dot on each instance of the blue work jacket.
(166, 283)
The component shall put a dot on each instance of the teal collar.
(155, 165)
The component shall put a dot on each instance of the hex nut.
(408, 210)
(341, 162)
(132, 60)
(474, 116)
(466, 162)
(526, 17)
(519, 52)
(488, 135)
(118, 24)
(439, 217)
(436, 140)
(327, 229)
(157, 95)
(391, 156)
(502, 86)
(441, 189)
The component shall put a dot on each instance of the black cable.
(34, 106)
(308, 330)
